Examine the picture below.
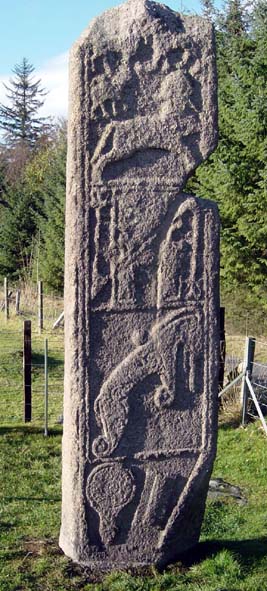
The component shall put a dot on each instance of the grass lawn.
(232, 554)
(11, 371)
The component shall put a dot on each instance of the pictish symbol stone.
(141, 289)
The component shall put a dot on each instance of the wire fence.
(23, 302)
(12, 361)
(259, 378)
(246, 381)
(12, 375)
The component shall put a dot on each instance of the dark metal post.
(222, 348)
(247, 367)
(27, 362)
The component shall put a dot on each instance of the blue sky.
(43, 31)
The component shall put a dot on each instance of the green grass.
(11, 371)
(232, 554)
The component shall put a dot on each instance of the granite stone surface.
(141, 289)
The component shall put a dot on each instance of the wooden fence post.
(222, 348)
(17, 301)
(6, 298)
(40, 306)
(27, 362)
(247, 368)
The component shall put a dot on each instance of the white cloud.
(54, 78)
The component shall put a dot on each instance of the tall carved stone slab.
(141, 297)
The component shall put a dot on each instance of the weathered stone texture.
(141, 293)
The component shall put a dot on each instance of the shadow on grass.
(18, 429)
(53, 361)
(247, 550)
(6, 526)
(33, 499)
(229, 423)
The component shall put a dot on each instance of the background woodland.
(33, 162)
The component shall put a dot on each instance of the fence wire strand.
(12, 366)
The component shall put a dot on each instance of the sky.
(43, 31)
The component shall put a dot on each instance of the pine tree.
(17, 231)
(236, 173)
(3, 180)
(234, 18)
(19, 119)
(208, 10)
(25, 212)
(52, 224)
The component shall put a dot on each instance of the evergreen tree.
(236, 173)
(52, 222)
(234, 18)
(208, 10)
(19, 119)
(17, 230)
(3, 180)
(31, 201)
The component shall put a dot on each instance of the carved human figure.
(180, 256)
